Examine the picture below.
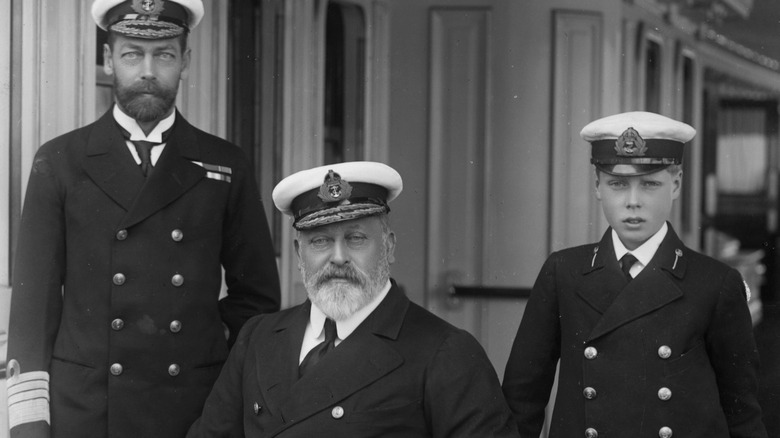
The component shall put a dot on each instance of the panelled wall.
(460, 149)
(5, 191)
(577, 90)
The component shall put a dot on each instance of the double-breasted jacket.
(402, 373)
(117, 282)
(670, 353)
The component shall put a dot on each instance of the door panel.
(459, 142)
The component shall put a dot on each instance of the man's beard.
(352, 289)
(145, 101)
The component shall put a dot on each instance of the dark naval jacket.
(117, 281)
(402, 373)
(670, 353)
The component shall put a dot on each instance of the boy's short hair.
(672, 168)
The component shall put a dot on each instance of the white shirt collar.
(136, 133)
(646, 251)
(345, 327)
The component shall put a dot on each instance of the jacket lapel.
(173, 175)
(361, 359)
(652, 289)
(601, 278)
(277, 363)
(110, 164)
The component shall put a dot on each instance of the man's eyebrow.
(137, 46)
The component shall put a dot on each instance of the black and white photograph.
(390, 218)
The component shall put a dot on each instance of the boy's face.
(637, 206)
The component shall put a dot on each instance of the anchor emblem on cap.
(630, 144)
(148, 7)
(334, 189)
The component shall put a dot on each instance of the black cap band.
(655, 151)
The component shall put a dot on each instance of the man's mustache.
(347, 273)
(145, 87)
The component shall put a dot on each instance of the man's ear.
(677, 185)
(597, 187)
(297, 246)
(186, 57)
(108, 62)
(390, 242)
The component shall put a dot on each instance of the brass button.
(589, 393)
(177, 235)
(664, 352)
(591, 433)
(177, 280)
(175, 326)
(116, 369)
(337, 412)
(119, 279)
(591, 353)
(117, 324)
(665, 432)
(664, 394)
(121, 235)
(174, 369)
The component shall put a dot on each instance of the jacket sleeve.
(530, 370)
(734, 357)
(462, 393)
(248, 256)
(222, 414)
(36, 301)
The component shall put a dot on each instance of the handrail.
(475, 291)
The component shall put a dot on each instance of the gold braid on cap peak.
(344, 212)
(161, 29)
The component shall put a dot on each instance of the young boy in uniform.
(654, 339)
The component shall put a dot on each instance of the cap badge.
(148, 7)
(630, 144)
(334, 189)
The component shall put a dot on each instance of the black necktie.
(626, 262)
(320, 350)
(144, 149)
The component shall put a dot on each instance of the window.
(687, 89)
(653, 76)
(345, 60)
(104, 94)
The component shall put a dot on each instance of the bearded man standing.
(116, 325)
(357, 359)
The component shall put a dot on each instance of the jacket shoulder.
(577, 251)
(706, 261)
(67, 142)
(574, 256)
(281, 318)
(714, 272)
(432, 330)
(217, 148)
